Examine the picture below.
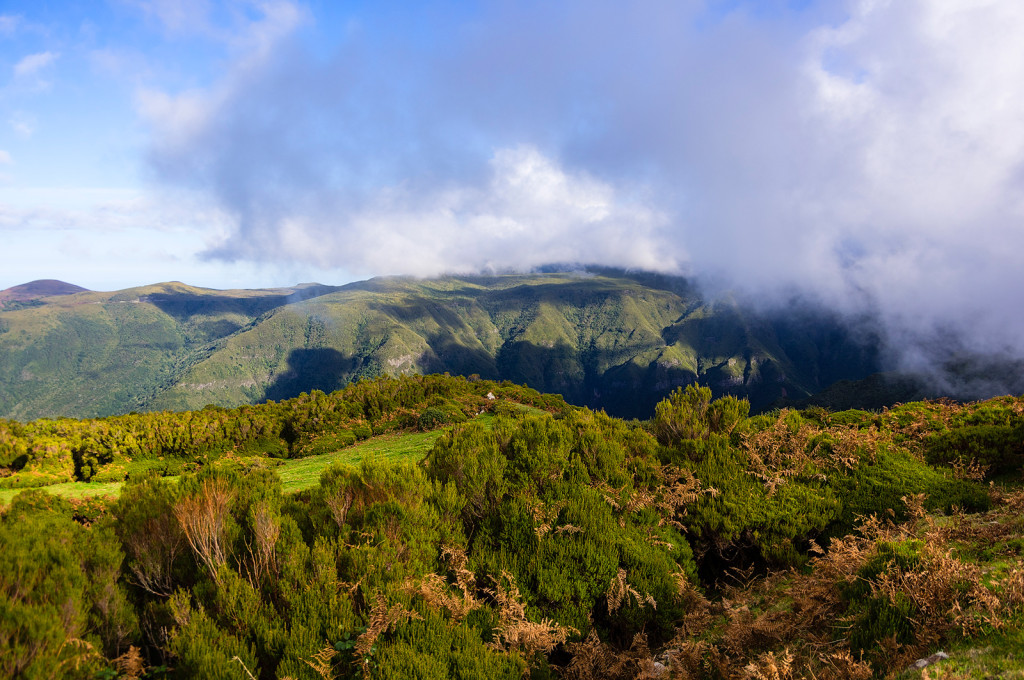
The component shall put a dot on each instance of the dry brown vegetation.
(769, 548)
(436, 592)
(514, 630)
(203, 518)
(791, 624)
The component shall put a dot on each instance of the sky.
(866, 154)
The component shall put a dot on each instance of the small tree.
(690, 414)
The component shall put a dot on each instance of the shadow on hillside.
(327, 369)
(324, 369)
(183, 306)
(447, 355)
(626, 390)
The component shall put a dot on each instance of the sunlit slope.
(92, 354)
(609, 341)
(602, 341)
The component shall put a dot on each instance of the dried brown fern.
(842, 666)
(679, 489)
(779, 452)
(545, 516)
(323, 662)
(130, 665)
(436, 592)
(595, 660)
(457, 561)
(768, 666)
(515, 630)
(382, 617)
(971, 470)
(619, 593)
(676, 488)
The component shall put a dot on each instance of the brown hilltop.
(38, 289)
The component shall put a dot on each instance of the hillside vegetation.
(602, 339)
(703, 543)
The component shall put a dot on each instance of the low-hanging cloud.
(868, 155)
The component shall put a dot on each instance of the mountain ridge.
(604, 338)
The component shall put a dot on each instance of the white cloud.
(175, 119)
(23, 124)
(9, 24)
(230, 23)
(177, 16)
(32, 64)
(927, 142)
(870, 155)
(5, 158)
(531, 212)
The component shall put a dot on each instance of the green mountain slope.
(602, 339)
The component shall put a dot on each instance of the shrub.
(999, 448)
(690, 414)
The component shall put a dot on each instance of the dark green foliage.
(48, 451)
(563, 525)
(998, 448)
(434, 647)
(901, 555)
(877, 617)
(536, 507)
(202, 649)
(882, 619)
(440, 412)
(787, 480)
(744, 514)
(62, 607)
(882, 479)
(850, 418)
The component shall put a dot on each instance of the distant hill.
(34, 290)
(602, 338)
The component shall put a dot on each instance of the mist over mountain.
(864, 157)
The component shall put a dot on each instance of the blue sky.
(94, 190)
(867, 153)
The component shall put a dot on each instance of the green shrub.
(437, 648)
(878, 484)
(63, 608)
(776, 524)
(202, 649)
(881, 619)
(851, 418)
(1000, 448)
(691, 414)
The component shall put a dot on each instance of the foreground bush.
(704, 543)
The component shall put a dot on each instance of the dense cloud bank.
(868, 155)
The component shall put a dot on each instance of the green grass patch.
(998, 655)
(304, 473)
(296, 475)
(74, 490)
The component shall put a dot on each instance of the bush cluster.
(532, 544)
